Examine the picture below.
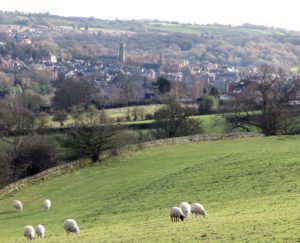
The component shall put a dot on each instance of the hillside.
(92, 38)
(250, 188)
(27, 19)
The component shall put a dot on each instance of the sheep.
(176, 214)
(186, 208)
(198, 209)
(40, 231)
(17, 205)
(71, 226)
(47, 204)
(29, 232)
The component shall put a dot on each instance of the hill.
(250, 188)
(46, 19)
(88, 38)
(29, 19)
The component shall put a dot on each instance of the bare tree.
(30, 155)
(103, 116)
(174, 121)
(72, 93)
(138, 113)
(13, 117)
(266, 104)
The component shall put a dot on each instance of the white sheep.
(17, 205)
(176, 214)
(71, 226)
(40, 231)
(29, 232)
(47, 204)
(198, 209)
(186, 208)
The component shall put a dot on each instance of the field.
(295, 69)
(212, 124)
(250, 188)
(112, 114)
(211, 29)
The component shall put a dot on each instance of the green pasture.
(249, 187)
(112, 114)
(211, 29)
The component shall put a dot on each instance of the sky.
(276, 13)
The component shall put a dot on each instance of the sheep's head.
(182, 217)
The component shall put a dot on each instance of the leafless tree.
(72, 93)
(266, 104)
(13, 117)
(174, 121)
(30, 155)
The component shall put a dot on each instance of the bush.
(174, 121)
(149, 116)
(205, 105)
(31, 155)
(5, 171)
(91, 142)
(122, 139)
(60, 117)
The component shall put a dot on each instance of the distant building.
(122, 52)
(53, 58)
(108, 58)
(153, 66)
(161, 59)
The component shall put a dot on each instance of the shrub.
(5, 171)
(60, 117)
(90, 142)
(149, 116)
(174, 121)
(31, 155)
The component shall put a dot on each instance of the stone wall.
(58, 170)
(26, 182)
(194, 138)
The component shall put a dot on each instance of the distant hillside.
(250, 188)
(245, 46)
(46, 19)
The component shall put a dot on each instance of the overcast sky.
(278, 13)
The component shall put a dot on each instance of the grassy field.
(114, 114)
(250, 188)
(295, 69)
(212, 29)
(212, 124)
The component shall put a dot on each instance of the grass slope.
(250, 188)
(214, 29)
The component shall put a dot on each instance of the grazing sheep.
(18, 205)
(71, 226)
(40, 231)
(186, 208)
(198, 209)
(176, 214)
(29, 232)
(47, 204)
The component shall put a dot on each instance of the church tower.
(122, 52)
(161, 60)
